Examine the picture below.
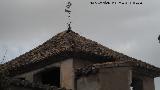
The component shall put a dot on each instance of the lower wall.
(88, 83)
(107, 79)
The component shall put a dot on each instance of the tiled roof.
(135, 65)
(69, 43)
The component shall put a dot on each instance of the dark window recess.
(49, 77)
(21, 78)
(137, 84)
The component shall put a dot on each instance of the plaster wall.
(148, 83)
(67, 74)
(107, 79)
(91, 82)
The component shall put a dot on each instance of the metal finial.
(68, 11)
(159, 38)
(69, 26)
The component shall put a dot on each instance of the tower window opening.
(49, 77)
(137, 84)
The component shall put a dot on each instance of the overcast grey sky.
(130, 29)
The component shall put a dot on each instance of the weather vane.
(68, 11)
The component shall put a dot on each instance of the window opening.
(137, 84)
(49, 77)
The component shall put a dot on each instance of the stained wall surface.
(107, 79)
(67, 74)
(148, 83)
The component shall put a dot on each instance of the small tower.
(71, 61)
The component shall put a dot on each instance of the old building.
(71, 61)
